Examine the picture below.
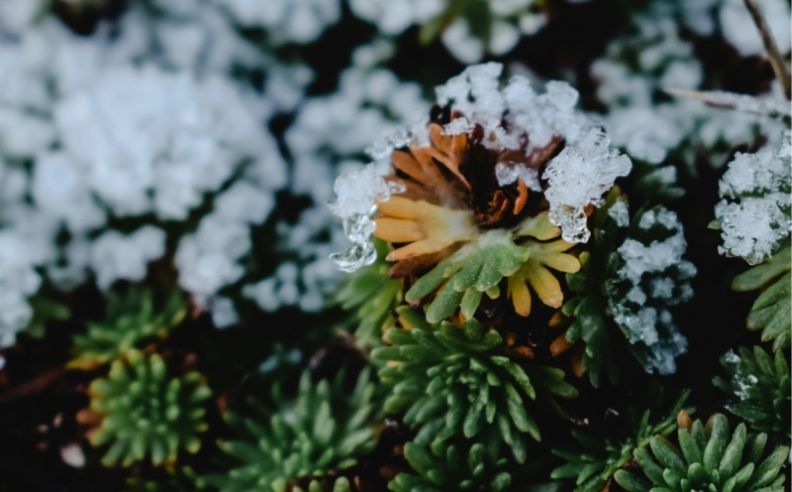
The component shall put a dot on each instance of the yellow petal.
(521, 296)
(545, 284)
(562, 262)
(404, 208)
(418, 248)
(556, 246)
(398, 230)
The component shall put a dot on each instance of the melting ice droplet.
(357, 193)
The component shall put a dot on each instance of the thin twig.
(33, 386)
(735, 102)
(776, 59)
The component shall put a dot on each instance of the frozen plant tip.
(356, 194)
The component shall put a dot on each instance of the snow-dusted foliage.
(478, 28)
(637, 69)
(136, 125)
(285, 21)
(177, 139)
(652, 277)
(755, 213)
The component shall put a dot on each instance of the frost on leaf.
(651, 277)
(755, 213)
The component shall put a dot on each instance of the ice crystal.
(620, 213)
(578, 176)
(578, 179)
(331, 135)
(508, 173)
(653, 276)
(357, 193)
(755, 213)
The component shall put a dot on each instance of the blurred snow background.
(201, 138)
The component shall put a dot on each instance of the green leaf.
(474, 269)
(771, 313)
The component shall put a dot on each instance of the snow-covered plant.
(140, 412)
(730, 17)
(710, 457)
(757, 388)
(633, 79)
(631, 277)
(469, 29)
(316, 436)
(483, 192)
(755, 220)
(134, 135)
(284, 21)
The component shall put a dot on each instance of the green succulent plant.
(323, 431)
(711, 458)
(130, 319)
(598, 455)
(587, 306)
(460, 381)
(146, 414)
(771, 313)
(476, 467)
(758, 389)
(372, 296)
